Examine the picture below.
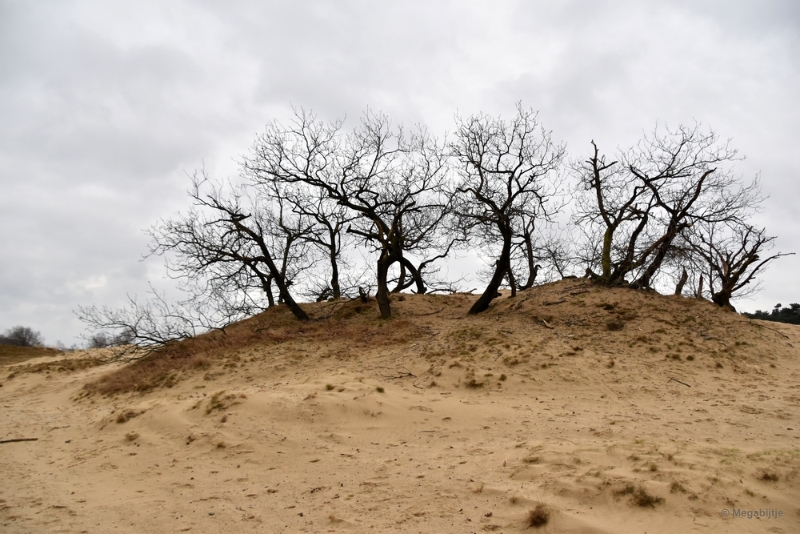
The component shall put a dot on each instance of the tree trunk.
(268, 291)
(606, 257)
(416, 277)
(531, 265)
(384, 262)
(681, 282)
(401, 280)
(283, 291)
(512, 281)
(723, 300)
(482, 304)
(337, 291)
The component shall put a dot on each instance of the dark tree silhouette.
(779, 314)
(729, 256)
(231, 242)
(391, 183)
(22, 336)
(507, 181)
(643, 203)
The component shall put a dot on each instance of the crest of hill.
(570, 318)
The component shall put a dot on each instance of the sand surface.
(584, 400)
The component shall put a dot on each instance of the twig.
(678, 381)
(18, 439)
(545, 323)
(553, 303)
(333, 309)
(404, 375)
(776, 331)
(424, 314)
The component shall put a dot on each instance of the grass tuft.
(538, 517)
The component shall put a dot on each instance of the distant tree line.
(779, 314)
(319, 212)
(22, 336)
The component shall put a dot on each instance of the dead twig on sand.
(15, 440)
(678, 381)
(772, 329)
(405, 374)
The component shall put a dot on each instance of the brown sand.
(614, 411)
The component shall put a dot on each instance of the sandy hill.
(569, 408)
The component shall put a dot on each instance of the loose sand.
(612, 411)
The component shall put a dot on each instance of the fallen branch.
(776, 331)
(18, 439)
(553, 303)
(403, 375)
(678, 381)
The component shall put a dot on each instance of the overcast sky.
(104, 107)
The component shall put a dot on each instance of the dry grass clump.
(677, 487)
(538, 517)
(126, 415)
(473, 384)
(219, 401)
(615, 325)
(768, 476)
(642, 498)
(65, 365)
(162, 368)
(13, 354)
(627, 489)
(639, 496)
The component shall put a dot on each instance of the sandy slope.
(481, 419)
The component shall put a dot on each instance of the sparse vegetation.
(768, 476)
(677, 487)
(644, 499)
(126, 415)
(538, 517)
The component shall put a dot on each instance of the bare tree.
(507, 182)
(643, 202)
(620, 208)
(729, 256)
(152, 323)
(391, 182)
(22, 336)
(326, 231)
(233, 243)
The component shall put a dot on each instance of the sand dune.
(612, 411)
